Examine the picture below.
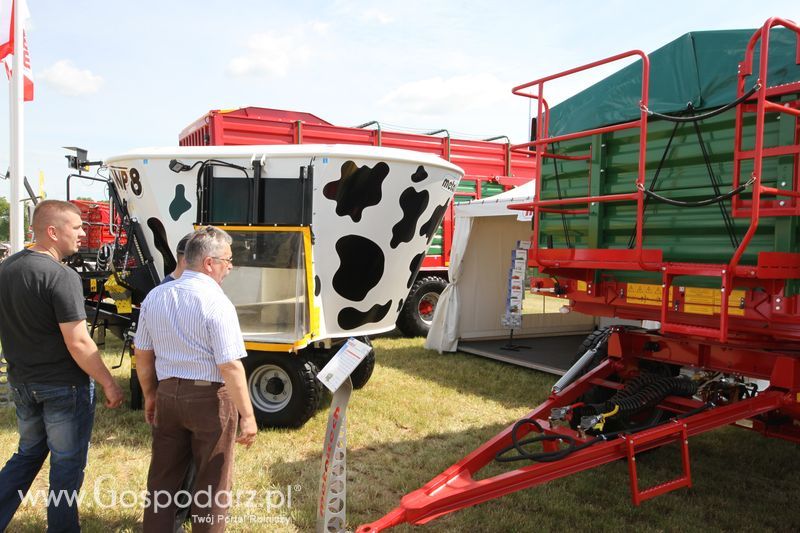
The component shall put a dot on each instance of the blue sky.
(115, 75)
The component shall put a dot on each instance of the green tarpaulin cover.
(699, 67)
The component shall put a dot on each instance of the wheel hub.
(270, 388)
(427, 304)
(274, 386)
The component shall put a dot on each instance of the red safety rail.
(484, 161)
(771, 266)
(634, 258)
(457, 487)
(764, 354)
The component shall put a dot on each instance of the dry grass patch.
(420, 413)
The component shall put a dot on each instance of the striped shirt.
(192, 327)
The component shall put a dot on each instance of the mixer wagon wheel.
(283, 388)
(363, 371)
(361, 374)
(598, 395)
(417, 313)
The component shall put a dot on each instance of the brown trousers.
(196, 420)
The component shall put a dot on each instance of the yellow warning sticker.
(124, 306)
(582, 286)
(698, 309)
(694, 295)
(93, 285)
(644, 294)
(707, 301)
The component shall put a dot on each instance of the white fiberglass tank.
(372, 212)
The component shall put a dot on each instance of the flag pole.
(17, 171)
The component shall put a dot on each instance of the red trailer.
(96, 217)
(491, 167)
(683, 217)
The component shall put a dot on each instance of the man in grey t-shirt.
(51, 358)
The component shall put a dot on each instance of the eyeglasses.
(228, 260)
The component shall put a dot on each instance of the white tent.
(470, 307)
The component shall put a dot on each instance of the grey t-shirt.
(36, 295)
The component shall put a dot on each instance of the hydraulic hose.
(699, 203)
(651, 395)
(517, 445)
(642, 392)
(710, 114)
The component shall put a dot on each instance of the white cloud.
(70, 80)
(273, 53)
(441, 96)
(376, 15)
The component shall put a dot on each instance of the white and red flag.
(7, 43)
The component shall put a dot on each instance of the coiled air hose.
(647, 391)
(643, 391)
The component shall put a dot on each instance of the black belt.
(198, 382)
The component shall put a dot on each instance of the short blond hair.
(48, 213)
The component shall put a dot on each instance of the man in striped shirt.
(184, 505)
(188, 351)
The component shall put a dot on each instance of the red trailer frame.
(96, 217)
(484, 161)
(490, 167)
(764, 343)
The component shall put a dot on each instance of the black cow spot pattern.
(400, 305)
(360, 267)
(430, 227)
(413, 204)
(419, 175)
(179, 204)
(416, 263)
(357, 189)
(352, 318)
(317, 285)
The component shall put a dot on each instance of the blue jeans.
(54, 419)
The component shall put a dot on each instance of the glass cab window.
(268, 284)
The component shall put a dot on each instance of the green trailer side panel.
(490, 189)
(698, 67)
(696, 234)
(436, 244)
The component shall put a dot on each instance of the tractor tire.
(283, 388)
(417, 313)
(363, 371)
(137, 398)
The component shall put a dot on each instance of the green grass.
(420, 413)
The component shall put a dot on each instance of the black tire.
(137, 398)
(417, 313)
(283, 388)
(363, 371)
(361, 374)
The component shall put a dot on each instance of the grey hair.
(205, 242)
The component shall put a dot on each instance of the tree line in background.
(5, 212)
(5, 216)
